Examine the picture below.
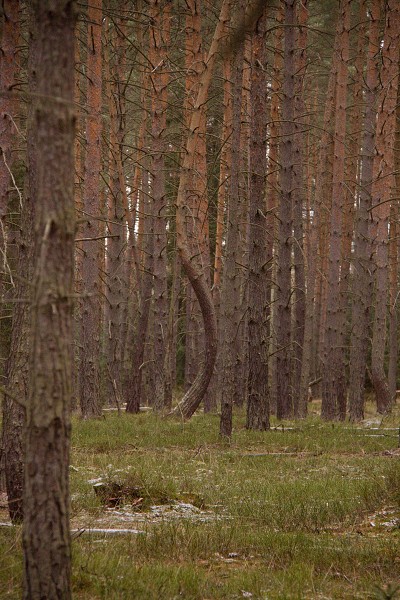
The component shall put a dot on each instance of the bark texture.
(46, 537)
(91, 306)
(159, 80)
(230, 295)
(331, 371)
(362, 292)
(298, 207)
(283, 305)
(222, 40)
(196, 392)
(196, 194)
(135, 387)
(382, 191)
(259, 261)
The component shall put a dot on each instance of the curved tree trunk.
(197, 226)
(196, 392)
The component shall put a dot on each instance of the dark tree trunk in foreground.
(259, 262)
(46, 537)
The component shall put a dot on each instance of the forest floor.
(162, 509)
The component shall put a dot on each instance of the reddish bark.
(331, 356)
(194, 395)
(91, 306)
(383, 187)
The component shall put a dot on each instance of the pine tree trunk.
(299, 308)
(116, 226)
(195, 394)
(91, 305)
(259, 261)
(230, 295)
(272, 193)
(46, 538)
(213, 391)
(241, 379)
(383, 187)
(197, 201)
(394, 300)
(362, 292)
(283, 303)
(331, 354)
(393, 320)
(224, 173)
(158, 57)
(135, 376)
(79, 178)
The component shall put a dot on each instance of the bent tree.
(187, 254)
(223, 41)
(46, 537)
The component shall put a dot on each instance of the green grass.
(287, 513)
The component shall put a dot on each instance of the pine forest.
(199, 253)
